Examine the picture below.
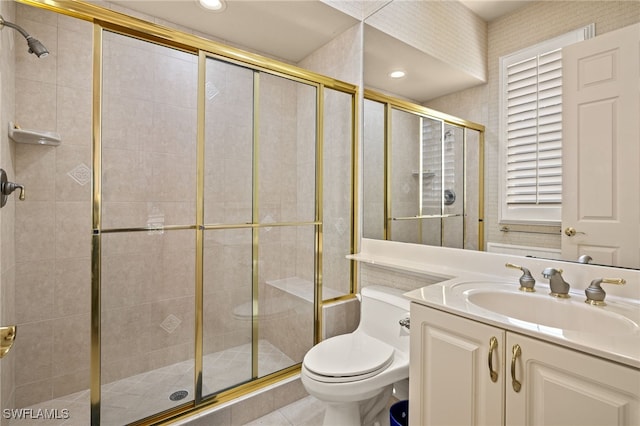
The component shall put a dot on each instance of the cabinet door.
(564, 387)
(450, 378)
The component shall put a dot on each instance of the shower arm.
(18, 28)
(35, 46)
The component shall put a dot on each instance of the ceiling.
(291, 30)
(288, 30)
(492, 9)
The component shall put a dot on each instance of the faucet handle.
(596, 294)
(527, 282)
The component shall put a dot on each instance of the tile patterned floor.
(144, 394)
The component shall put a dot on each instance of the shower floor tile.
(144, 394)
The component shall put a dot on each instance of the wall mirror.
(429, 82)
(423, 179)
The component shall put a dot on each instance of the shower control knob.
(7, 188)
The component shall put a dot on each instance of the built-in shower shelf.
(35, 137)
(425, 174)
(301, 288)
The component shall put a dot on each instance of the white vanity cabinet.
(451, 383)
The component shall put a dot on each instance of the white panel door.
(563, 387)
(601, 148)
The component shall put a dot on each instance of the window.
(531, 131)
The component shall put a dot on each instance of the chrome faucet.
(595, 293)
(558, 286)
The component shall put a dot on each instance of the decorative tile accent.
(155, 221)
(170, 323)
(81, 174)
(267, 219)
(211, 90)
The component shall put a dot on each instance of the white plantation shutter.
(534, 130)
(531, 130)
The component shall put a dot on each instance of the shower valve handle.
(7, 188)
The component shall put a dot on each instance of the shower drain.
(178, 395)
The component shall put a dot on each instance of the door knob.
(571, 231)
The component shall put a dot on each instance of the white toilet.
(354, 373)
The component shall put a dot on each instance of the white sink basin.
(611, 331)
(544, 310)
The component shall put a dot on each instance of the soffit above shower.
(287, 30)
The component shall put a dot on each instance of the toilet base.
(370, 412)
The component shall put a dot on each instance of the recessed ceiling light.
(215, 5)
(397, 74)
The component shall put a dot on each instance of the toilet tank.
(381, 309)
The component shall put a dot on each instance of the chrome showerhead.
(35, 46)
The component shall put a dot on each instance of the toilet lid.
(348, 355)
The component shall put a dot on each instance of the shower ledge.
(35, 137)
(301, 288)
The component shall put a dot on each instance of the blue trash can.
(399, 414)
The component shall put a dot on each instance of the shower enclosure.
(219, 216)
(423, 175)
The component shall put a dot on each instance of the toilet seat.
(348, 357)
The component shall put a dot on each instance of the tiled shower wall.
(9, 42)
(148, 178)
(53, 224)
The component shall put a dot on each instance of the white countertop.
(463, 271)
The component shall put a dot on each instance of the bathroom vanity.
(485, 353)
(473, 373)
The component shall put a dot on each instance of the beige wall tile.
(176, 83)
(252, 408)
(74, 116)
(73, 228)
(35, 285)
(35, 230)
(71, 344)
(76, 381)
(130, 57)
(124, 336)
(75, 59)
(34, 105)
(127, 123)
(34, 350)
(35, 169)
(39, 16)
(32, 393)
(72, 294)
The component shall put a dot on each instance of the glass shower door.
(145, 235)
(259, 224)
(228, 236)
